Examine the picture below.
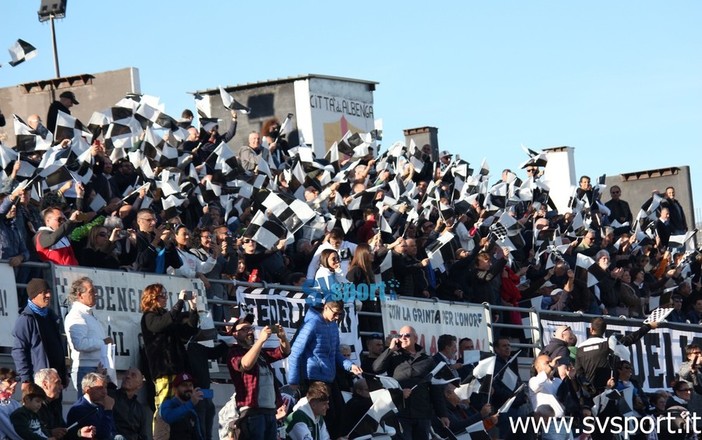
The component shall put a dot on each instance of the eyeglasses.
(334, 259)
(247, 241)
(405, 335)
(531, 170)
(685, 390)
(245, 328)
(148, 219)
(335, 313)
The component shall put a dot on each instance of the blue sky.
(619, 81)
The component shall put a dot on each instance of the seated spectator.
(51, 241)
(179, 411)
(155, 248)
(99, 250)
(8, 405)
(25, 420)
(356, 407)
(192, 265)
(131, 420)
(307, 421)
(94, 408)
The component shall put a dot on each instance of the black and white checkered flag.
(658, 315)
(499, 231)
(21, 51)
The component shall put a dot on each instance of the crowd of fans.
(177, 200)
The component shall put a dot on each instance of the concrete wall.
(423, 136)
(637, 187)
(93, 91)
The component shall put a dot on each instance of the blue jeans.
(259, 427)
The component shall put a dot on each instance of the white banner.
(9, 309)
(656, 357)
(274, 306)
(118, 298)
(433, 319)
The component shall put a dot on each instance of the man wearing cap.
(558, 345)
(444, 160)
(179, 412)
(66, 100)
(36, 336)
(250, 369)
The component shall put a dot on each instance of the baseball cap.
(445, 153)
(558, 333)
(69, 95)
(248, 318)
(182, 377)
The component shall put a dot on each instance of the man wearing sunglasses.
(250, 369)
(406, 361)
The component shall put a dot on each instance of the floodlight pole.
(53, 40)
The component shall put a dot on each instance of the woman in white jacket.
(193, 266)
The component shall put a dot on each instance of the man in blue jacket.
(315, 355)
(179, 411)
(37, 336)
(94, 408)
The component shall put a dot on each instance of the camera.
(207, 393)
(275, 328)
(188, 295)
(123, 234)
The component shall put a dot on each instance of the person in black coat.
(164, 332)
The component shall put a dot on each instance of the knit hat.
(35, 286)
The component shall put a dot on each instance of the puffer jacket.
(315, 354)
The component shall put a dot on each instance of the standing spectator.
(86, 335)
(129, 414)
(94, 408)
(210, 137)
(250, 154)
(12, 246)
(51, 240)
(66, 100)
(164, 332)
(558, 345)
(308, 421)
(593, 365)
(549, 374)
(37, 336)
(619, 209)
(447, 347)
(179, 412)
(678, 224)
(690, 372)
(206, 248)
(315, 355)
(99, 250)
(664, 229)
(329, 273)
(406, 361)
(250, 369)
(8, 405)
(192, 265)
(155, 249)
